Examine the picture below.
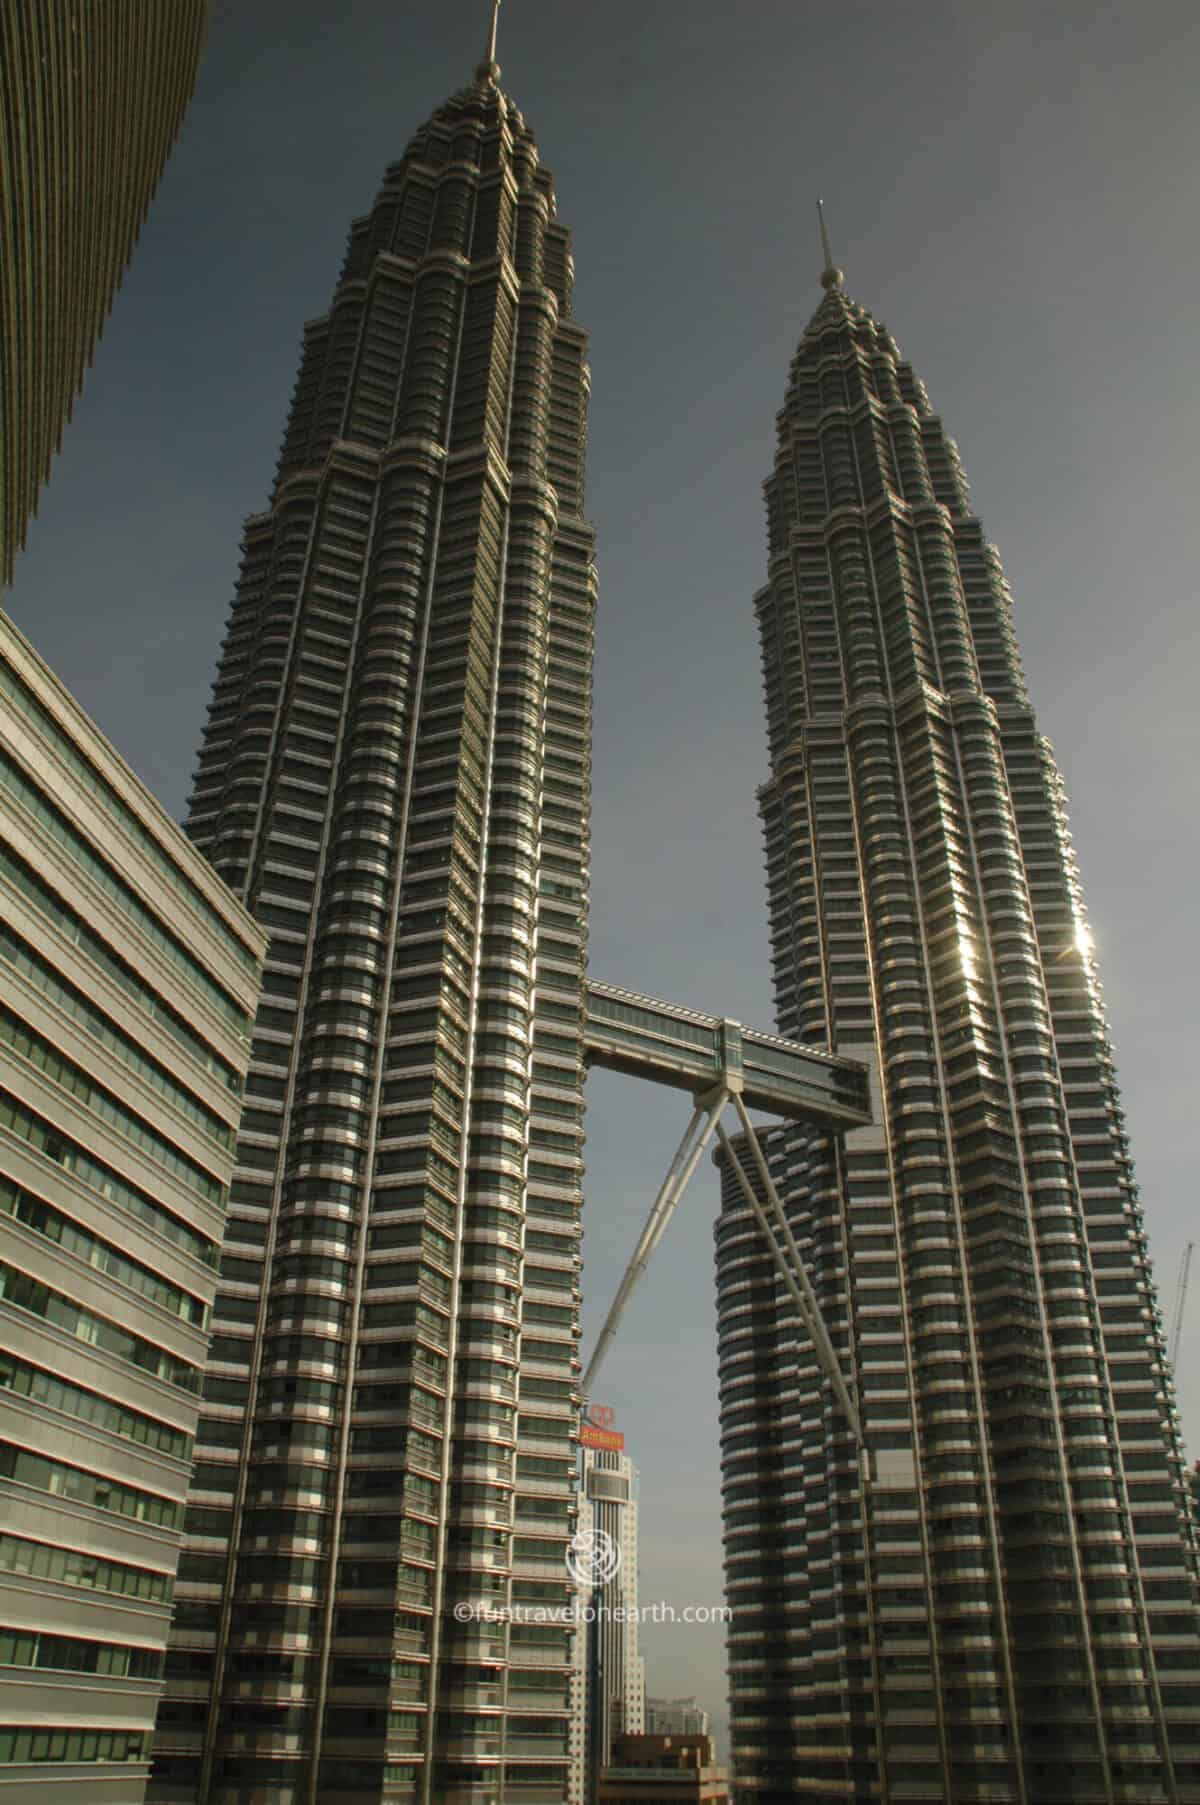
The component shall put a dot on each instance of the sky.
(1012, 189)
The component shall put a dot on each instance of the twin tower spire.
(831, 275)
(489, 70)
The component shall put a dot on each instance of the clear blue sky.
(1013, 190)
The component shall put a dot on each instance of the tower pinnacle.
(831, 275)
(489, 68)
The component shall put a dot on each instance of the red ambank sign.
(596, 1429)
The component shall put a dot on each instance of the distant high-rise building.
(676, 1717)
(663, 1770)
(91, 100)
(608, 1685)
(128, 982)
(395, 776)
(1007, 1610)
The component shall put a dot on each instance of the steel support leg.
(781, 1242)
(696, 1137)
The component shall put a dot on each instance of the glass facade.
(395, 777)
(1009, 1611)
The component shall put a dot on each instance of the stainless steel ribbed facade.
(395, 775)
(128, 982)
(1017, 1621)
(91, 100)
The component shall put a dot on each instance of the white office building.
(608, 1688)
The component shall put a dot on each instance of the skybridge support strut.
(698, 1133)
(720, 1061)
(777, 1232)
(771, 1219)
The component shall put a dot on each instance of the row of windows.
(71, 1567)
(50, 1141)
(129, 825)
(93, 1251)
(41, 1387)
(244, 1772)
(20, 1038)
(73, 1003)
(25, 1293)
(73, 928)
(74, 1654)
(20, 1743)
(54, 823)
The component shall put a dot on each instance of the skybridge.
(720, 1062)
(671, 1045)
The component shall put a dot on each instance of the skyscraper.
(608, 1693)
(395, 776)
(676, 1717)
(91, 101)
(1013, 1615)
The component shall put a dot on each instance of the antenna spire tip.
(489, 68)
(831, 275)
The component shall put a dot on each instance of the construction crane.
(1180, 1300)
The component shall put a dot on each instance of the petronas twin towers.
(395, 777)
